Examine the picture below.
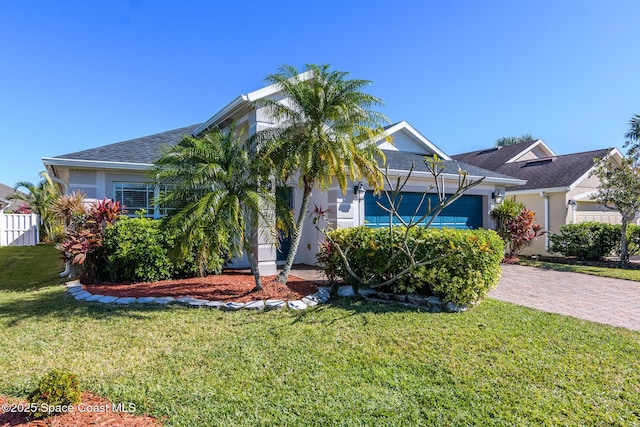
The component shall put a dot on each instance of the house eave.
(538, 190)
(455, 177)
(94, 164)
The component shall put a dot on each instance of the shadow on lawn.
(350, 307)
(59, 304)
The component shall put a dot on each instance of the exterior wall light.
(498, 196)
(359, 191)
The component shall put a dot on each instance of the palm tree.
(40, 199)
(326, 131)
(223, 198)
(509, 140)
(633, 135)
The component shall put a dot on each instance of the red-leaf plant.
(85, 234)
(520, 231)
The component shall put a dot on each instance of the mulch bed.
(231, 286)
(93, 411)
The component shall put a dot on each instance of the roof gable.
(553, 172)
(494, 157)
(244, 101)
(407, 139)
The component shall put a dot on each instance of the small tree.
(401, 244)
(620, 190)
(620, 184)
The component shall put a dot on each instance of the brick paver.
(598, 299)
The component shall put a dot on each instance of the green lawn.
(348, 363)
(616, 273)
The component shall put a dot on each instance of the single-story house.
(119, 171)
(559, 188)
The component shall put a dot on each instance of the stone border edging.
(320, 297)
(432, 303)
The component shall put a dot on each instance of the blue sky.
(79, 74)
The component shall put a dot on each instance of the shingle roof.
(402, 161)
(551, 172)
(6, 191)
(492, 158)
(145, 150)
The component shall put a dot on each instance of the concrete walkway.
(598, 299)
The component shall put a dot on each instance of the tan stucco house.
(559, 188)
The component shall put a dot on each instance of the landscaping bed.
(233, 285)
(93, 410)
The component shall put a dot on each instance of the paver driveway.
(598, 299)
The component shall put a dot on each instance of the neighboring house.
(119, 171)
(559, 188)
(7, 205)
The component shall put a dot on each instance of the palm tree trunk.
(254, 266)
(297, 234)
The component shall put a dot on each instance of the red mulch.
(93, 410)
(230, 286)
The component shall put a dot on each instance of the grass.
(616, 273)
(349, 363)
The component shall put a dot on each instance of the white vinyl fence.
(19, 229)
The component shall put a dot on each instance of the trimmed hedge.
(465, 263)
(592, 241)
(586, 240)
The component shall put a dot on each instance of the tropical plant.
(520, 231)
(84, 236)
(66, 208)
(504, 212)
(39, 200)
(326, 132)
(221, 196)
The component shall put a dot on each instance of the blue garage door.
(466, 212)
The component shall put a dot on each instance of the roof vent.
(539, 162)
(490, 150)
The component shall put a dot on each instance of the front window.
(135, 196)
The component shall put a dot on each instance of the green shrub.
(56, 391)
(633, 239)
(136, 250)
(466, 263)
(586, 240)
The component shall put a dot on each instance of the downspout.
(546, 219)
